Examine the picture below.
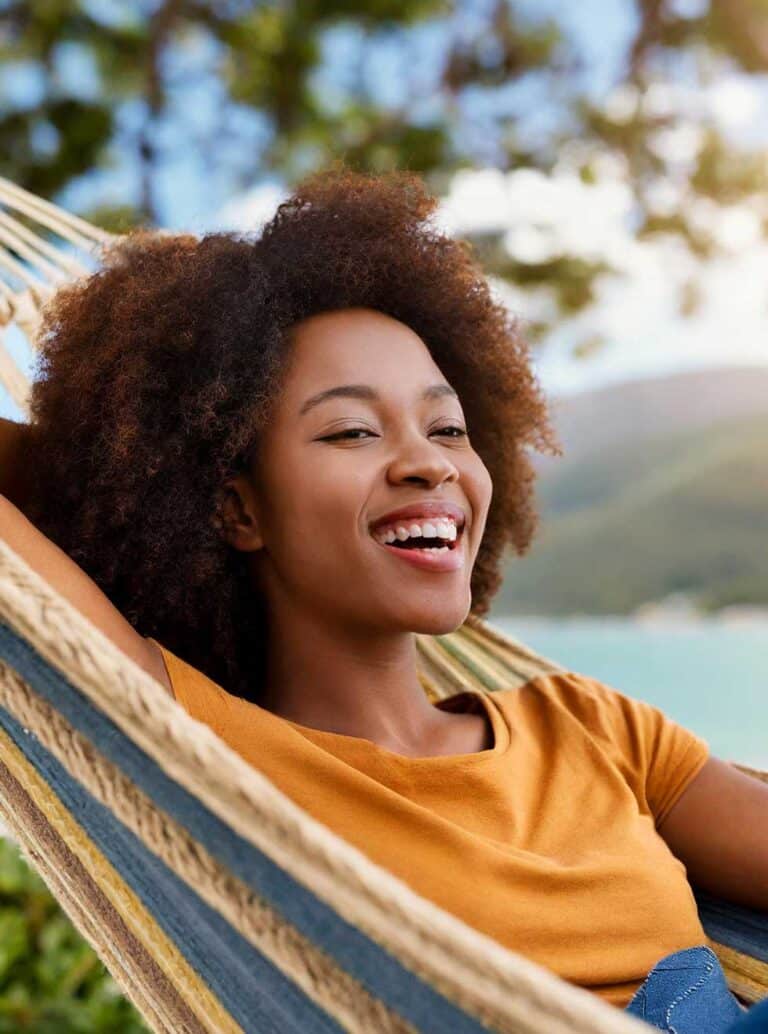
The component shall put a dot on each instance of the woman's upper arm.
(719, 830)
(71, 582)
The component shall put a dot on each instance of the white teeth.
(443, 528)
(447, 530)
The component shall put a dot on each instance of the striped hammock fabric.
(218, 904)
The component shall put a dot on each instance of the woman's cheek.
(486, 485)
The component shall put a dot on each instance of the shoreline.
(657, 619)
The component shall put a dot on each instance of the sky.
(636, 314)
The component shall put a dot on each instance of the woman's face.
(330, 468)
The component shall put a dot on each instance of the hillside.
(641, 410)
(637, 516)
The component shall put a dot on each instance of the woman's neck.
(367, 687)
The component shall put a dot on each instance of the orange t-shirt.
(546, 842)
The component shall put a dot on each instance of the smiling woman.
(163, 376)
(307, 504)
(261, 467)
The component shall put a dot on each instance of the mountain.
(662, 488)
(639, 410)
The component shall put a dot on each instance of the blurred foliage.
(51, 980)
(102, 81)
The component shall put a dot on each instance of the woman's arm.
(69, 580)
(719, 830)
(14, 469)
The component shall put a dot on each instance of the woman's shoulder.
(160, 670)
(192, 688)
(599, 708)
(641, 738)
(563, 686)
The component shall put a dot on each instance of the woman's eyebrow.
(365, 391)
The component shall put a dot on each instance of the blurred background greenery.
(608, 162)
(154, 111)
(51, 981)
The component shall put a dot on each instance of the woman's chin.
(440, 621)
(427, 613)
(438, 629)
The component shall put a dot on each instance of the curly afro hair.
(157, 373)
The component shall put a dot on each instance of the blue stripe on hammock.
(740, 928)
(256, 993)
(246, 983)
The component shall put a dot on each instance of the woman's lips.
(431, 560)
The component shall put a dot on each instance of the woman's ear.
(237, 518)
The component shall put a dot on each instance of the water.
(709, 676)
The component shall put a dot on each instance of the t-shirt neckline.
(343, 742)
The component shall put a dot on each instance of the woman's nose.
(422, 460)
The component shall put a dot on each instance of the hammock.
(33, 262)
(216, 902)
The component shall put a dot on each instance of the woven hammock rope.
(218, 904)
(32, 267)
(504, 991)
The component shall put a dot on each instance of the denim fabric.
(753, 1022)
(687, 993)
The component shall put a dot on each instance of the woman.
(260, 466)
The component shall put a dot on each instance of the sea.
(708, 675)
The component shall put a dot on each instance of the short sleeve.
(658, 756)
(200, 697)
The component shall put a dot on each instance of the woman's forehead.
(357, 343)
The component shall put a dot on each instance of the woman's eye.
(344, 434)
(459, 432)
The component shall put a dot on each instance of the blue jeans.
(686, 993)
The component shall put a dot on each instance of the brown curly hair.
(156, 374)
